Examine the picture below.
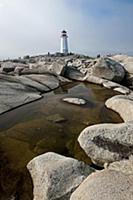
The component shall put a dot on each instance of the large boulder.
(126, 61)
(123, 105)
(73, 73)
(107, 69)
(92, 69)
(57, 67)
(55, 177)
(106, 143)
(105, 185)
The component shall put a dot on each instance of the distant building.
(64, 42)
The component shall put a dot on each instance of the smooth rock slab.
(13, 94)
(55, 177)
(27, 82)
(105, 185)
(94, 79)
(106, 143)
(47, 80)
(33, 84)
(76, 101)
(123, 105)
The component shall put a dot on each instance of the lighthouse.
(64, 42)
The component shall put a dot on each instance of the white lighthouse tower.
(64, 42)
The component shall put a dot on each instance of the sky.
(30, 27)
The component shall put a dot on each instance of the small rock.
(76, 101)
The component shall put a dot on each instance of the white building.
(64, 42)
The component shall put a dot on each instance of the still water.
(44, 126)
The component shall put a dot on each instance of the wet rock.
(56, 118)
(107, 69)
(76, 101)
(105, 185)
(123, 105)
(12, 198)
(55, 176)
(106, 143)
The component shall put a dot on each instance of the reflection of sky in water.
(33, 129)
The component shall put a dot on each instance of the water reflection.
(47, 125)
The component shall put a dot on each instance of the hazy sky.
(33, 26)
